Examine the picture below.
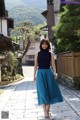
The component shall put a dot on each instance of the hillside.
(26, 13)
(39, 4)
(22, 10)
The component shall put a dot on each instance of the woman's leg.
(48, 109)
(45, 111)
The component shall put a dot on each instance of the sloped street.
(19, 102)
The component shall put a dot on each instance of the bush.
(7, 76)
(67, 31)
(8, 65)
(77, 83)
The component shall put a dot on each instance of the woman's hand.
(55, 75)
(34, 79)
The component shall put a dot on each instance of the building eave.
(6, 43)
(44, 28)
(45, 13)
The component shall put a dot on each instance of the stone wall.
(70, 82)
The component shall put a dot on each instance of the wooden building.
(5, 43)
(5, 25)
(28, 58)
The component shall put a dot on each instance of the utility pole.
(49, 15)
(50, 18)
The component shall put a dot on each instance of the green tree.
(67, 31)
(10, 60)
(24, 29)
(8, 65)
(27, 30)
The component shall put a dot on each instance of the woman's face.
(44, 46)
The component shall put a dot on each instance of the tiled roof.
(5, 43)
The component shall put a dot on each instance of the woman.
(48, 91)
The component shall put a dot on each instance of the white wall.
(3, 23)
(4, 27)
(21, 44)
(57, 9)
(37, 46)
(56, 5)
(56, 18)
(31, 51)
(24, 60)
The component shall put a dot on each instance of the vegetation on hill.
(38, 4)
(22, 10)
(21, 13)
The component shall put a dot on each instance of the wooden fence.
(68, 63)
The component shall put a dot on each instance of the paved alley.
(19, 102)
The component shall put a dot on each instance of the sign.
(70, 1)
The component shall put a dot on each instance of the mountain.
(13, 3)
(22, 10)
(39, 4)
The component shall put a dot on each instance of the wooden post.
(50, 18)
(0, 71)
(73, 65)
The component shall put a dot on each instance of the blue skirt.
(48, 91)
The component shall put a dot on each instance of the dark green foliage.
(67, 31)
(8, 64)
(77, 83)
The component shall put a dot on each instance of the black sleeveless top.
(44, 59)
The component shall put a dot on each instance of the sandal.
(50, 115)
(47, 116)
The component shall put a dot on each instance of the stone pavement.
(19, 102)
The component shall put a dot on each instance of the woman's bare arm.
(53, 65)
(35, 66)
(53, 62)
